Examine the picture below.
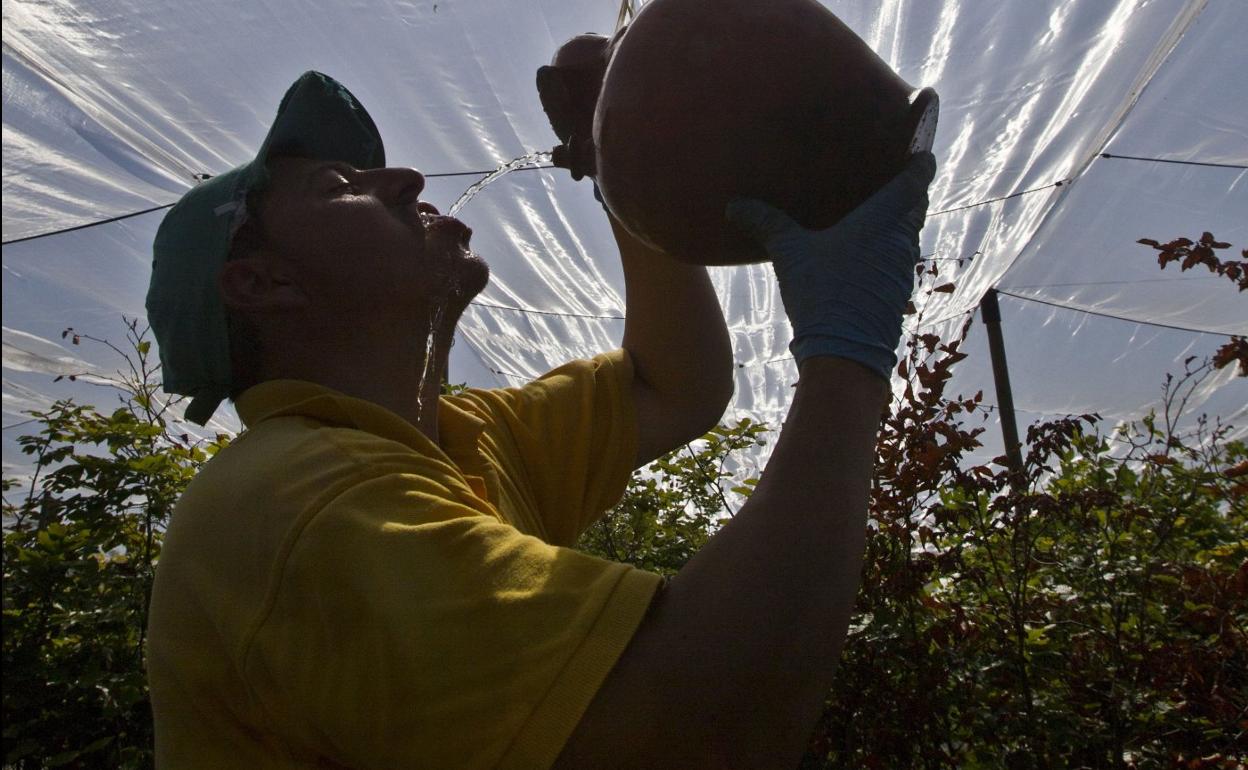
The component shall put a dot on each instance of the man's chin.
(456, 274)
(472, 276)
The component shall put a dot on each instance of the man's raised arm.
(674, 332)
(732, 663)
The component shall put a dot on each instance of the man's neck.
(389, 372)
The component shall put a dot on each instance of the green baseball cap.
(317, 118)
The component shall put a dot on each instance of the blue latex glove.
(845, 288)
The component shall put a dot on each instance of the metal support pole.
(1001, 376)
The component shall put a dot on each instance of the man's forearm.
(732, 665)
(674, 330)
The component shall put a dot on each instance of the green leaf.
(64, 758)
(96, 745)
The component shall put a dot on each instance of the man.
(373, 576)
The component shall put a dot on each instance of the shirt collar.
(458, 429)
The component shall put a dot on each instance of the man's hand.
(845, 288)
(569, 90)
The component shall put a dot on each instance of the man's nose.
(397, 186)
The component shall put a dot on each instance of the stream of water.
(438, 311)
(498, 173)
(436, 315)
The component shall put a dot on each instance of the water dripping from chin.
(437, 315)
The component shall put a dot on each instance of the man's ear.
(257, 285)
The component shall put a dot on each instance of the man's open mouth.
(445, 231)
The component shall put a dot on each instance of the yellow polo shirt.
(335, 589)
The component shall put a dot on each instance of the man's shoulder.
(284, 448)
(289, 463)
(557, 388)
(259, 492)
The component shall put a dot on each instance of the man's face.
(360, 245)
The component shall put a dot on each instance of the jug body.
(780, 101)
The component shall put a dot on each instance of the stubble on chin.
(452, 293)
(474, 275)
(456, 271)
(454, 279)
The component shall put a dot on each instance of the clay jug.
(701, 102)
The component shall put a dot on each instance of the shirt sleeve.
(574, 431)
(408, 630)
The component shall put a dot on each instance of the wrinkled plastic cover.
(113, 106)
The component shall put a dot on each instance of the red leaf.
(945, 288)
(1235, 350)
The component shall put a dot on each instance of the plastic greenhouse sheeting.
(114, 106)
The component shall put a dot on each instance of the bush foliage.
(1088, 610)
(81, 539)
